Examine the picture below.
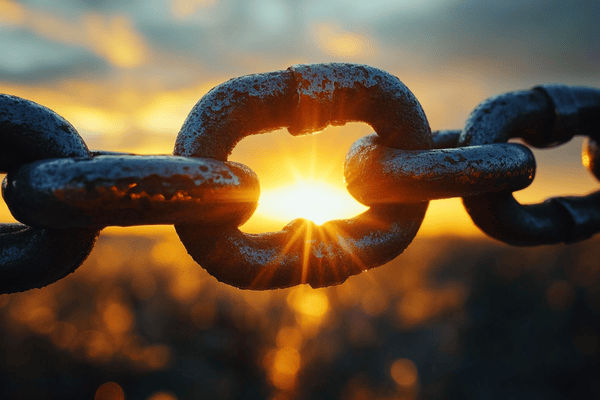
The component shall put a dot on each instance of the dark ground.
(478, 319)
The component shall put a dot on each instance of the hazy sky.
(46, 39)
(126, 73)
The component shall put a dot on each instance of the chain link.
(33, 257)
(127, 190)
(544, 116)
(304, 99)
(65, 194)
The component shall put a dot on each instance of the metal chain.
(65, 194)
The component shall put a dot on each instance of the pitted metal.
(575, 113)
(308, 98)
(130, 190)
(303, 99)
(377, 174)
(526, 114)
(532, 116)
(64, 193)
(303, 252)
(445, 139)
(32, 257)
(30, 132)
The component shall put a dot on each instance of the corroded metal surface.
(532, 115)
(377, 174)
(303, 252)
(131, 190)
(55, 184)
(31, 257)
(304, 98)
(30, 132)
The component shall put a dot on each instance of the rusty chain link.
(65, 194)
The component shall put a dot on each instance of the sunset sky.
(126, 74)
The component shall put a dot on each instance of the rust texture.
(131, 190)
(30, 132)
(304, 99)
(378, 174)
(33, 257)
(534, 115)
(64, 193)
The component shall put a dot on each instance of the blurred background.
(458, 315)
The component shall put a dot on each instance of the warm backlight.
(312, 200)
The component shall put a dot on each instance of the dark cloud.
(27, 58)
(233, 38)
(534, 35)
(78, 6)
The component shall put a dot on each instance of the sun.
(314, 200)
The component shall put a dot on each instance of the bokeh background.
(458, 315)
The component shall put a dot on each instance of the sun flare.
(312, 200)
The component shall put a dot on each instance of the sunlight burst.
(315, 201)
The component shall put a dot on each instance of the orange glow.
(185, 284)
(109, 391)
(309, 302)
(163, 396)
(184, 8)
(98, 347)
(420, 304)
(42, 320)
(334, 41)
(96, 120)
(203, 314)
(116, 40)
(289, 337)
(164, 112)
(167, 252)
(64, 334)
(117, 318)
(286, 363)
(110, 261)
(404, 373)
(12, 13)
(113, 38)
(157, 357)
(374, 302)
(448, 217)
(585, 158)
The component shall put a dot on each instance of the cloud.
(111, 37)
(29, 59)
(522, 36)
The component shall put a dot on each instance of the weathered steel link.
(303, 252)
(32, 257)
(31, 132)
(534, 116)
(65, 194)
(127, 190)
(304, 98)
(378, 174)
(575, 113)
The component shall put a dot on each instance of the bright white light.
(315, 201)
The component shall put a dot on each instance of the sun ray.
(306, 252)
